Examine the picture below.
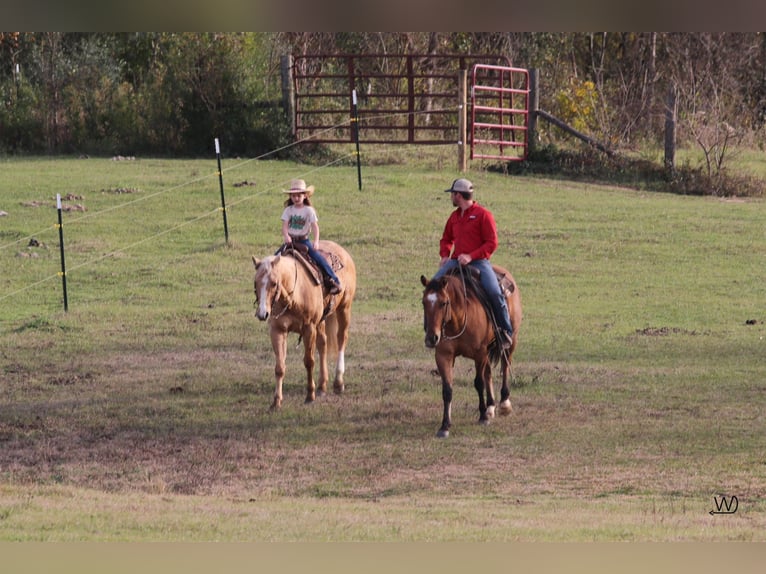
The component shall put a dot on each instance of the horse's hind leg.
(481, 382)
(343, 317)
(309, 342)
(488, 388)
(505, 408)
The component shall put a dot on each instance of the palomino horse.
(287, 295)
(457, 324)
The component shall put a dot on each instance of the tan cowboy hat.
(299, 186)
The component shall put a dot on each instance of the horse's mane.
(433, 285)
(466, 280)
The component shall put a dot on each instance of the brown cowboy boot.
(333, 287)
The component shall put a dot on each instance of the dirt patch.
(664, 331)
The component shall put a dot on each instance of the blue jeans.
(488, 281)
(318, 259)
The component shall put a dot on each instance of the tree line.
(170, 94)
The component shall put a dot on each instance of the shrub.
(588, 164)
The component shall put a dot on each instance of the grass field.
(141, 413)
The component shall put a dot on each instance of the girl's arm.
(315, 229)
(285, 234)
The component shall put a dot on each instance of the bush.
(23, 130)
(588, 164)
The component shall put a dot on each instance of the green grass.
(141, 413)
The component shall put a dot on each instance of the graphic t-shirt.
(299, 219)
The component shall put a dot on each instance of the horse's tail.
(495, 352)
(331, 331)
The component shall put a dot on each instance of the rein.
(445, 337)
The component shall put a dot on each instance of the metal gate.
(411, 98)
(499, 124)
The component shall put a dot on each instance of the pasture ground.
(141, 413)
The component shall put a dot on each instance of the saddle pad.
(335, 263)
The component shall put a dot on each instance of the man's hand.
(464, 259)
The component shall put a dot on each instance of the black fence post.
(355, 121)
(220, 181)
(61, 250)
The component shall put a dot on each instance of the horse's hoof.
(484, 422)
(308, 400)
(491, 411)
(442, 434)
(505, 408)
(338, 389)
(321, 393)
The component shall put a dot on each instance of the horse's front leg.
(445, 366)
(279, 344)
(309, 344)
(322, 350)
(482, 382)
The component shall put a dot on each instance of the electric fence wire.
(179, 186)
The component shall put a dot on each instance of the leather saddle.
(300, 253)
(473, 284)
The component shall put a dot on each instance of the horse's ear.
(256, 263)
(442, 282)
(423, 280)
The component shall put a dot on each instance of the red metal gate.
(499, 112)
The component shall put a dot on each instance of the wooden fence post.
(533, 106)
(288, 91)
(462, 110)
(671, 113)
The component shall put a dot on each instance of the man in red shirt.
(470, 238)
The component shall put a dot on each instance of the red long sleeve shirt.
(473, 231)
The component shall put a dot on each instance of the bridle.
(446, 337)
(275, 298)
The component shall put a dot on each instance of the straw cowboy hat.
(299, 186)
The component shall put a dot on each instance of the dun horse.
(287, 295)
(456, 324)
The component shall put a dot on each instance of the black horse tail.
(495, 352)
